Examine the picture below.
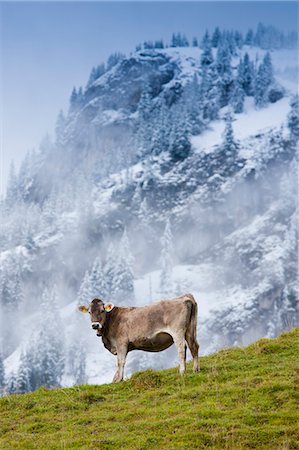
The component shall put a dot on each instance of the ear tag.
(83, 309)
(108, 307)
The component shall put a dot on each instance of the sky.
(49, 47)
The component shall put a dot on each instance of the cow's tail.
(192, 328)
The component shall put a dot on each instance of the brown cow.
(151, 328)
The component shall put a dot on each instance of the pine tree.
(195, 42)
(223, 64)
(114, 59)
(210, 93)
(263, 80)
(260, 88)
(237, 97)
(166, 281)
(2, 374)
(293, 118)
(229, 146)
(85, 293)
(179, 145)
(238, 39)
(73, 99)
(49, 350)
(144, 125)
(216, 37)
(249, 37)
(22, 378)
(60, 128)
(110, 270)
(192, 100)
(268, 69)
(246, 74)
(80, 376)
(12, 192)
(97, 282)
(96, 72)
(12, 383)
(125, 251)
(76, 361)
(118, 272)
(206, 57)
(160, 130)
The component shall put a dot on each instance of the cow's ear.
(83, 309)
(108, 307)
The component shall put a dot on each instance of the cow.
(151, 328)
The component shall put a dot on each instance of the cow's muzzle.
(96, 325)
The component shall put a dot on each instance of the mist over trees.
(122, 191)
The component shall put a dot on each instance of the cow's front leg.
(121, 359)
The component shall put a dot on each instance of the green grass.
(242, 398)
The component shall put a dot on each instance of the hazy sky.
(48, 47)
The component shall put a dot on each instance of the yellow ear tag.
(83, 309)
(108, 307)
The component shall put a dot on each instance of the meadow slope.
(242, 398)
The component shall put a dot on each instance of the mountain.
(174, 170)
(244, 397)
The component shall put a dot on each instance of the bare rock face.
(122, 86)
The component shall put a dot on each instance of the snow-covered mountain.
(174, 170)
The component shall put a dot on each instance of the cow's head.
(98, 311)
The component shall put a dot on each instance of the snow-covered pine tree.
(144, 124)
(246, 74)
(167, 253)
(123, 277)
(249, 37)
(179, 40)
(73, 100)
(12, 383)
(95, 73)
(206, 57)
(238, 39)
(97, 281)
(76, 353)
(229, 146)
(22, 377)
(110, 270)
(179, 145)
(237, 97)
(223, 65)
(126, 252)
(2, 373)
(192, 99)
(216, 37)
(80, 376)
(60, 128)
(293, 118)
(268, 68)
(160, 124)
(195, 42)
(114, 59)
(147, 231)
(85, 291)
(263, 80)
(210, 91)
(11, 298)
(49, 350)
(12, 192)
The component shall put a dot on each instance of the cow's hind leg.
(179, 341)
(194, 347)
(121, 359)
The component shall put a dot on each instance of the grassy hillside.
(242, 398)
